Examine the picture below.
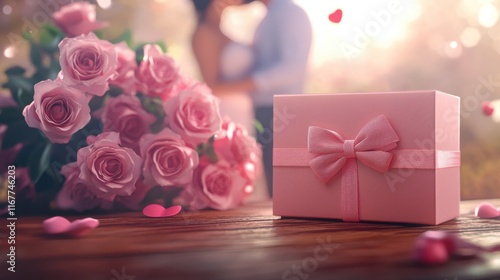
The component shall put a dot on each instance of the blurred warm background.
(380, 45)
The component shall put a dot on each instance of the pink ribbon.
(371, 146)
(328, 153)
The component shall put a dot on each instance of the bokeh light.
(377, 23)
(248, 189)
(105, 4)
(7, 9)
(470, 37)
(453, 49)
(488, 15)
(9, 52)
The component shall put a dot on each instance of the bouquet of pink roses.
(118, 127)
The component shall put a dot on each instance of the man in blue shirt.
(282, 44)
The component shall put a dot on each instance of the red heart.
(158, 211)
(336, 16)
(487, 108)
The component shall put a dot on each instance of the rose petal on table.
(466, 248)
(448, 239)
(61, 226)
(486, 210)
(81, 227)
(55, 225)
(494, 248)
(158, 211)
(430, 252)
(426, 250)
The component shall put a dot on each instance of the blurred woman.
(226, 66)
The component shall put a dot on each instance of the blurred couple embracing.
(245, 77)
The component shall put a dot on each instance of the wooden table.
(246, 243)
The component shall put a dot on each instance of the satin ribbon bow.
(332, 154)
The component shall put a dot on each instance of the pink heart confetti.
(437, 247)
(486, 210)
(336, 16)
(158, 211)
(61, 226)
(430, 252)
(487, 108)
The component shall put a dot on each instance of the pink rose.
(75, 194)
(194, 114)
(126, 67)
(133, 202)
(111, 136)
(157, 74)
(217, 186)
(235, 145)
(124, 114)
(77, 18)
(183, 84)
(87, 63)
(109, 169)
(167, 160)
(59, 111)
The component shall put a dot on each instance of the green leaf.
(55, 67)
(154, 105)
(17, 127)
(50, 37)
(157, 127)
(40, 161)
(27, 36)
(212, 156)
(97, 102)
(259, 127)
(36, 55)
(139, 53)
(162, 46)
(41, 74)
(21, 89)
(99, 34)
(11, 115)
(125, 37)
(200, 148)
(139, 50)
(15, 70)
(54, 30)
(114, 91)
(46, 38)
(207, 149)
(16, 82)
(23, 97)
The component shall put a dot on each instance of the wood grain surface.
(246, 243)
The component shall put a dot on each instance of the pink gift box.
(385, 156)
